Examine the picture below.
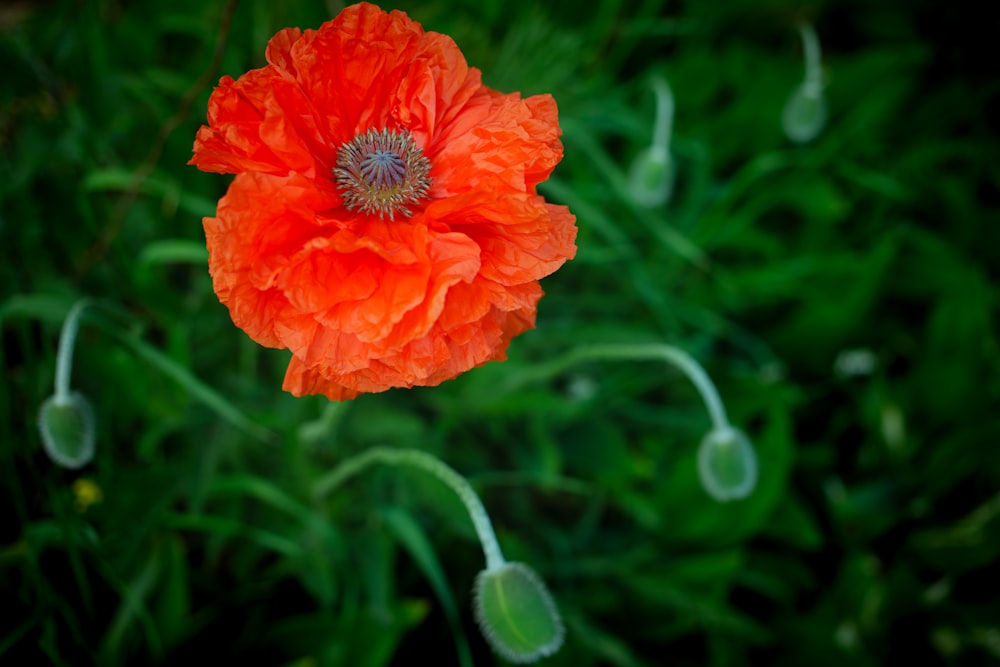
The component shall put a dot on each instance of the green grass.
(872, 537)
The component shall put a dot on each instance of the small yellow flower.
(87, 493)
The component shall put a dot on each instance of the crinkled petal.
(521, 236)
(301, 381)
(497, 137)
(262, 122)
(261, 224)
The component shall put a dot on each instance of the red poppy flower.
(384, 224)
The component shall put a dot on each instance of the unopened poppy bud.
(804, 115)
(66, 424)
(516, 613)
(651, 178)
(65, 419)
(514, 609)
(727, 464)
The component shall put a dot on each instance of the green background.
(874, 533)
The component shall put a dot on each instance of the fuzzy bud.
(517, 614)
(68, 431)
(805, 113)
(727, 464)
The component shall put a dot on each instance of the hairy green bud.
(727, 464)
(66, 424)
(516, 613)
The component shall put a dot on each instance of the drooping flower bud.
(68, 430)
(651, 177)
(805, 113)
(513, 607)
(516, 613)
(65, 419)
(804, 116)
(727, 464)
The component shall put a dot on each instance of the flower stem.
(664, 115)
(814, 70)
(428, 463)
(639, 352)
(64, 357)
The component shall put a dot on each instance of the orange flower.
(384, 224)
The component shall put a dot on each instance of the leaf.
(362, 640)
(234, 528)
(45, 307)
(413, 538)
(609, 648)
(122, 180)
(173, 251)
(244, 484)
(133, 609)
(173, 602)
(194, 386)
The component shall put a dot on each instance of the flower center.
(383, 172)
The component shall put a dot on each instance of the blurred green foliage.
(842, 293)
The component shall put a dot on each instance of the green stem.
(64, 357)
(664, 116)
(637, 352)
(814, 69)
(418, 459)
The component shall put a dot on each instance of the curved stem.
(814, 69)
(64, 357)
(418, 459)
(641, 352)
(664, 115)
